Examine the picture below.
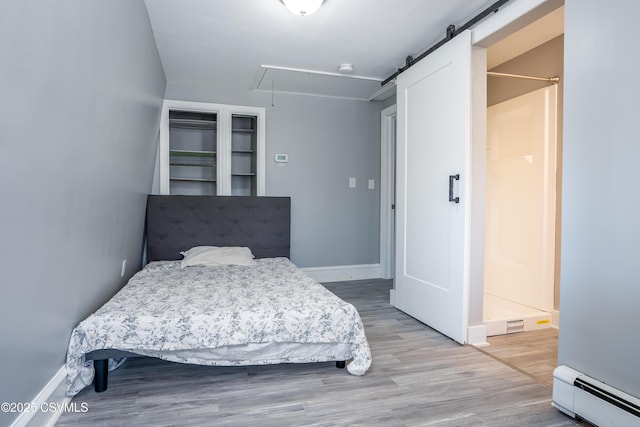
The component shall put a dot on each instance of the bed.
(251, 312)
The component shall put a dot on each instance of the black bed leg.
(102, 372)
(340, 364)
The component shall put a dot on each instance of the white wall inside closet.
(520, 216)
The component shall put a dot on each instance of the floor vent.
(514, 326)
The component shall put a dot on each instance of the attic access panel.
(316, 83)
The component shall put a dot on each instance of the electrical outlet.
(352, 182)
(372, 184)
(124, 267)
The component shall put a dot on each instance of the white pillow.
(217, 255)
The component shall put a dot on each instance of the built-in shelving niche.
(192, 153)
(212, 149)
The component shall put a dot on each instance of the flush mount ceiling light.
(303, 7)
(345, 68)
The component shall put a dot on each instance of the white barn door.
(433, 188)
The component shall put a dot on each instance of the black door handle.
(451, 179)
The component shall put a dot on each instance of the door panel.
(434, 105)
(427, 164)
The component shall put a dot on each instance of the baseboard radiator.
(581, 396)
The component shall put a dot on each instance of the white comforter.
(167, 309)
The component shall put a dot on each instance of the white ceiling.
(226, 43)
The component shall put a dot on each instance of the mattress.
(270, 312)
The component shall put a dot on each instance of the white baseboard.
(344, 272)
(477, 335)
(51, 398)
(392, 297)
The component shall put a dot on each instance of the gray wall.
(328, 141)
(600, 249)
(546, 60)
(82, 87)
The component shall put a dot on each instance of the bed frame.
(178, 223)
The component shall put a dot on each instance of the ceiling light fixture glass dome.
(303, 7)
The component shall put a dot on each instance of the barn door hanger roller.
(452, 31)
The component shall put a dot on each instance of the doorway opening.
(387, 192)
(523, 194)
(520, 213)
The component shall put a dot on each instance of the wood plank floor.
(534, 353)
(418, 378)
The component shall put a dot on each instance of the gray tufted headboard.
(178, 223)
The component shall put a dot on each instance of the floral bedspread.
(165, 308)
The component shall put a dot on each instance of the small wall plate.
(281, 158)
